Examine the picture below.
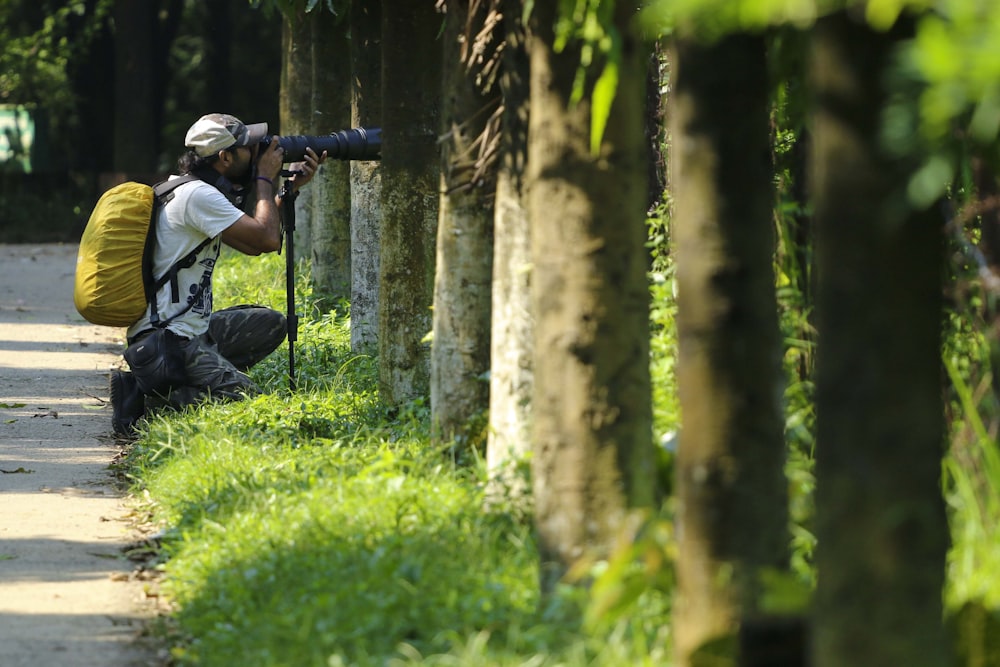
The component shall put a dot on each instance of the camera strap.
(163, 193)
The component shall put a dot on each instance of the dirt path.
(65, 595)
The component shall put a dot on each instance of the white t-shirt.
(198, 211)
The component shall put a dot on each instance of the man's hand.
(307, 168)
(270, 160)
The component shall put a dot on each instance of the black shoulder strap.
(162, 193)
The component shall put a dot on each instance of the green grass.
(319, 528)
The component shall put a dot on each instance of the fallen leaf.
(11, 406)
(21, 470)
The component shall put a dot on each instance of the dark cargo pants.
(216, 362)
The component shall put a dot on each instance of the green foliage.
(955, 51)
(663, 355)
(971, 468)
(40, 45)
(793, 287)
(638, 574)
(944, 84)
(591, 23)
(713, 19)
(40, 41)
(663, 329)
(972, 475)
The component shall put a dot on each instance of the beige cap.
(217, 131)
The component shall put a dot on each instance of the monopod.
(288, 195)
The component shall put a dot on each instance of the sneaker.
(127, 402)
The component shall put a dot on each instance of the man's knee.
(246, 334)
(247, 322)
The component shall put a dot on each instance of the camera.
(356, 143)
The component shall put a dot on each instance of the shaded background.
(111, 87)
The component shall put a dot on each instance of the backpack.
(114, 275)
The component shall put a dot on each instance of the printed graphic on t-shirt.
(201, 292)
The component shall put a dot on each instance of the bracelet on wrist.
(266, 180)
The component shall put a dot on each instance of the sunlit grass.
(284, 553)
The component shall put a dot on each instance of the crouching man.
(192, 352)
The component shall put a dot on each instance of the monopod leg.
(288, 195)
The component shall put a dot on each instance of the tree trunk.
(460, 355)
(264, 56)
(732, 511)
(592, 415)
(136, 131)
(295, 105)
(366, 177)
(331, 188)
(218, 50)
(880, 519)
(511, 364)
(95, 69)
(411, 100)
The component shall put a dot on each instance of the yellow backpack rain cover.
(109, 286)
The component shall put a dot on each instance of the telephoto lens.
(356, 143)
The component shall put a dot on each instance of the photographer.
(207, 352)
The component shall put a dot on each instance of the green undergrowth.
(320, 528)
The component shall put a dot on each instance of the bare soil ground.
(68, 596)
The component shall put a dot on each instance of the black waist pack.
(157, 362)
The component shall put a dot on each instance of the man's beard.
(245, 179)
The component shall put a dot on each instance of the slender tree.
(366, 179)
(411, 102)
(511, 355)
(88, 71)
(295, 101)
(592, 455)
(460, 356)
(143, 34)
(880, 520)
(732, 510)
(330, 190)
(218, 53)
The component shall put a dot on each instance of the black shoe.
(127, 402)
